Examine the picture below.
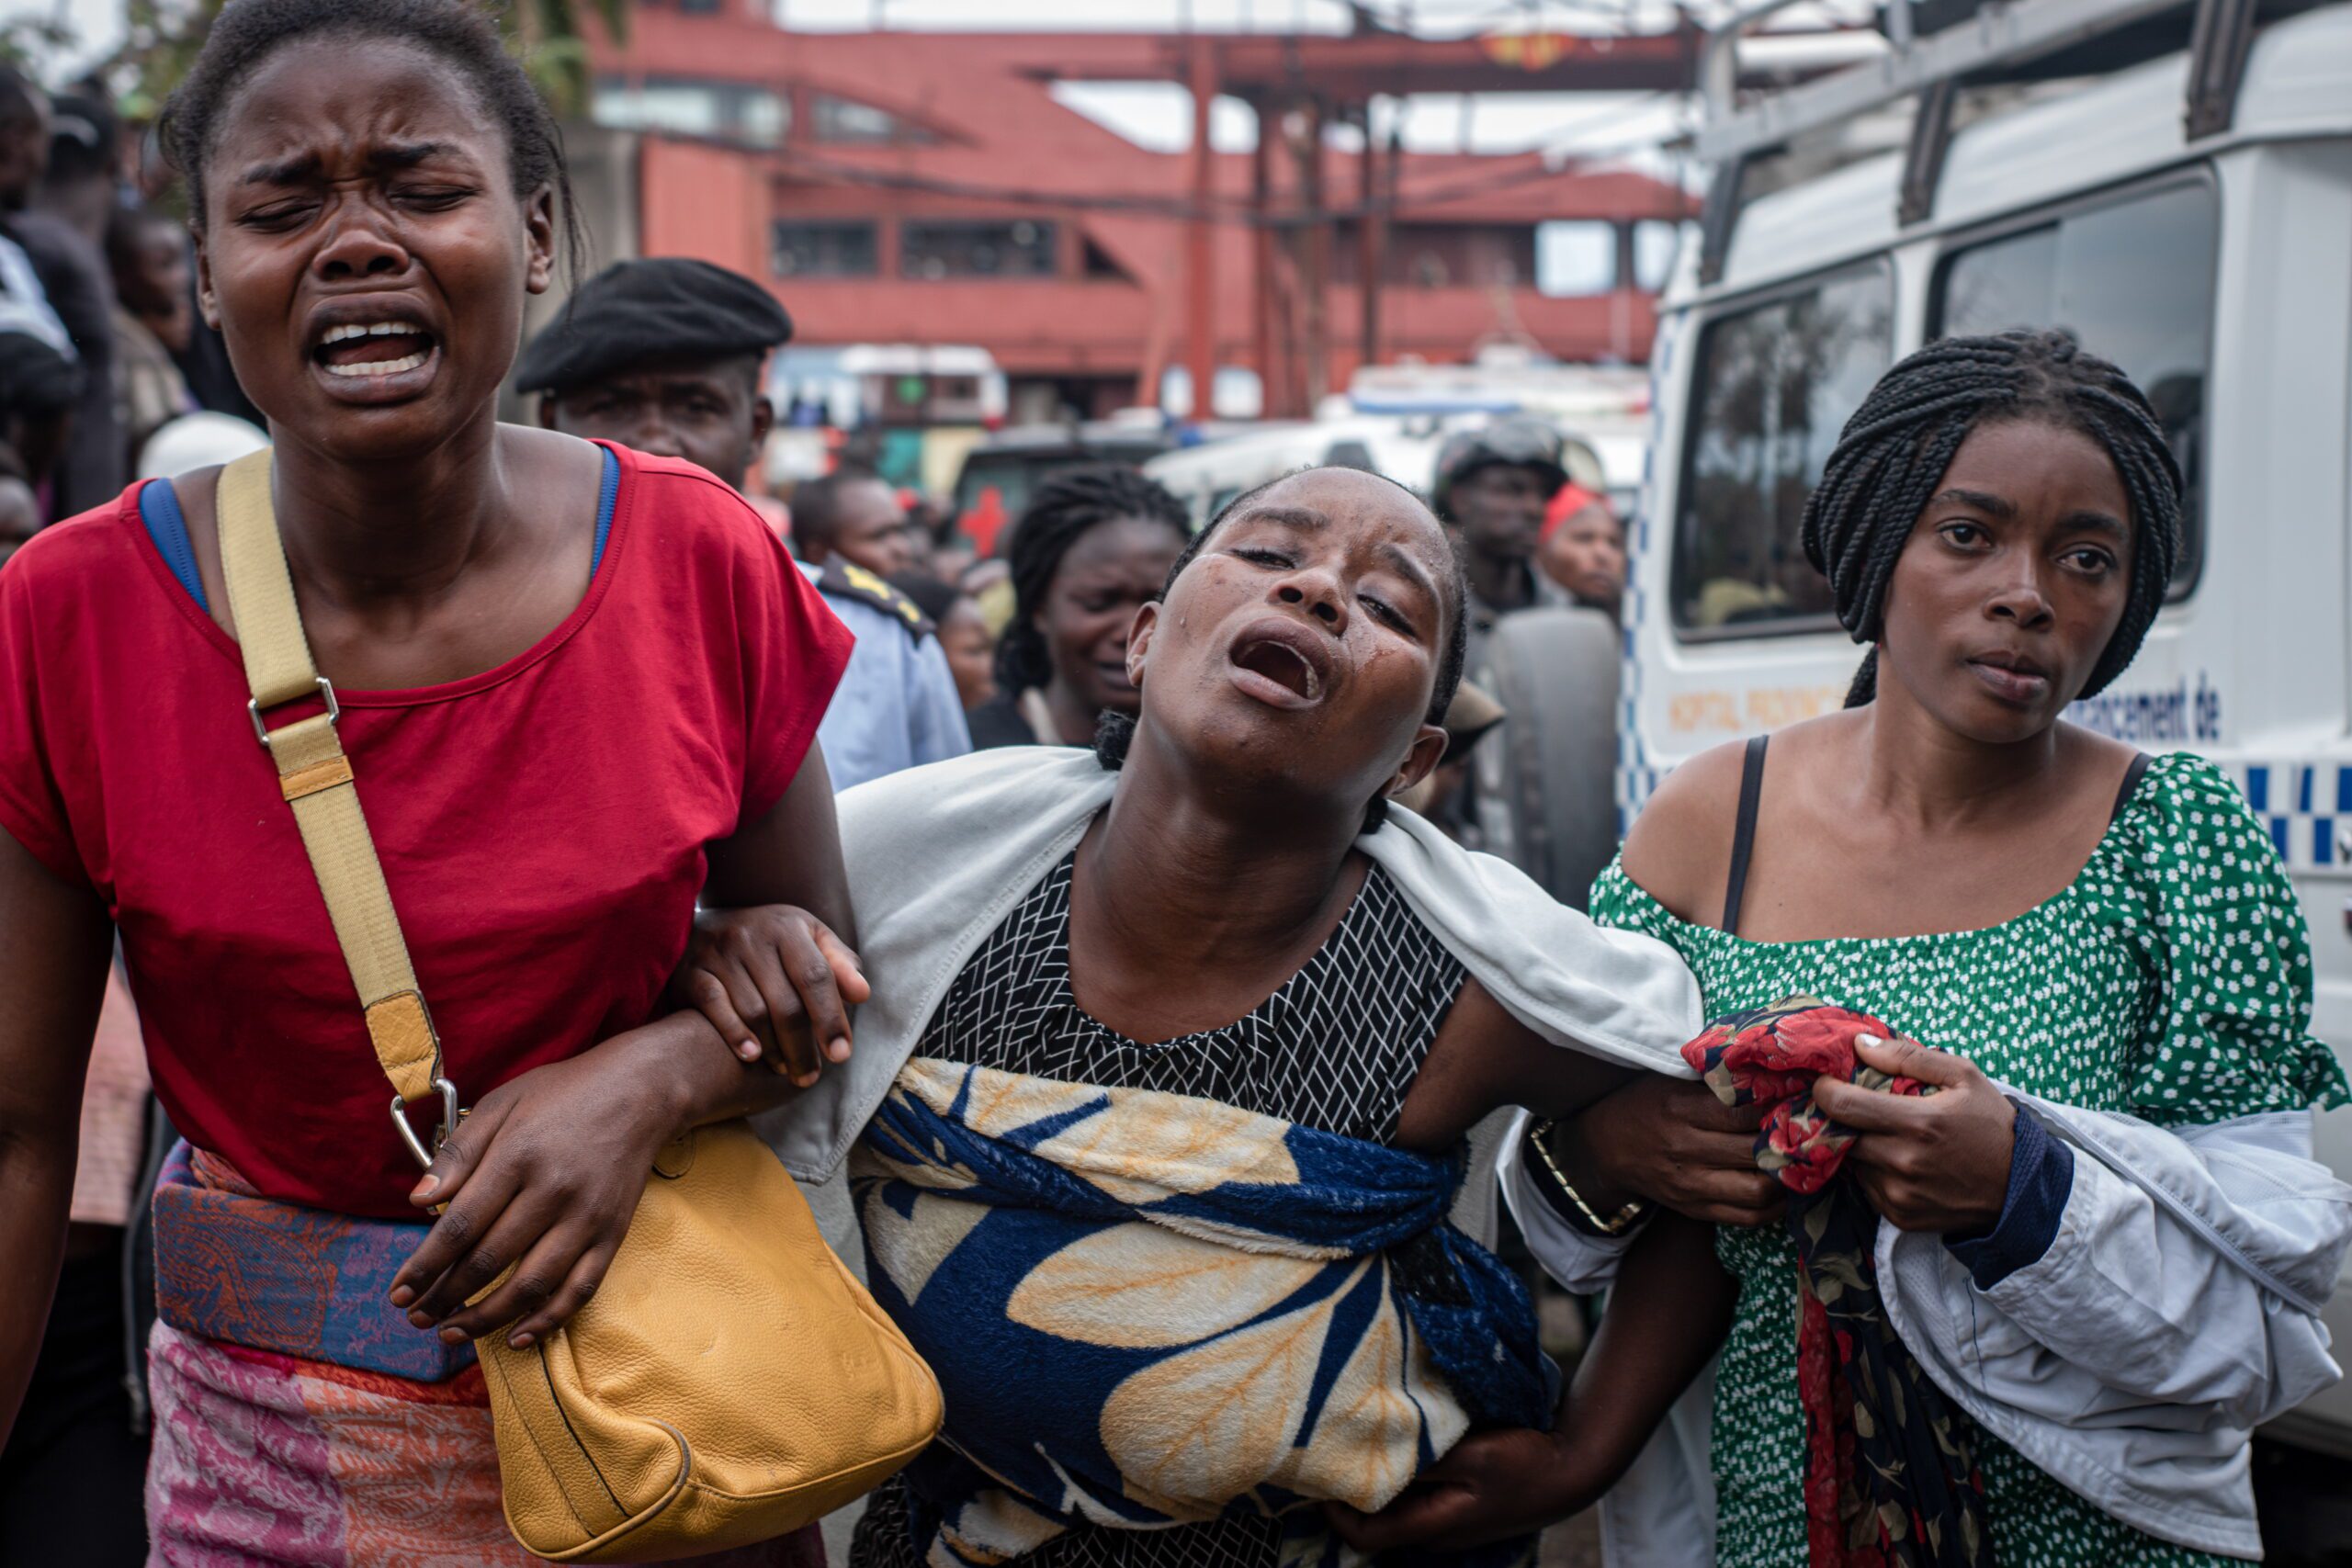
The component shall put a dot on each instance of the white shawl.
(939, 855)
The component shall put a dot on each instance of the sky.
(1159, 114)
(97, 22)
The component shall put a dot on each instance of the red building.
(929, 188)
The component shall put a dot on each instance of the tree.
(25, 41)
(164, 36)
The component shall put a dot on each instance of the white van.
(2215, 268)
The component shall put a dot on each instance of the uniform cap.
(659, 308)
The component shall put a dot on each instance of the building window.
(2132, 280)
(725, 111)
(1093, 261)
(1773, 386)
(845, 121)
(1575, 257)
(1656, 243)
(824, 250)
(1442, 256)
(932, 250)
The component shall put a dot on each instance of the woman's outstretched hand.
(1672, 1142)
(1936, 1162)
(776, 982)
(1494, 1485)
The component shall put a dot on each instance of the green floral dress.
(2172, 979)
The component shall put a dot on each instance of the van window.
(1774, 386)
(2134, 281)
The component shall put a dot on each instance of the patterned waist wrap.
(234, 1266)
(1148, 1308)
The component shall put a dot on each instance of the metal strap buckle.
(448, 1092)
(252, 711)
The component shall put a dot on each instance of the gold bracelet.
(1539, 1133)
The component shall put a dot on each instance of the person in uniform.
(1492, 485)
(853, 514)
(664, 355)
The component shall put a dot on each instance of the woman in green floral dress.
(2170, 978)
(2043, 907)
(1948, 856)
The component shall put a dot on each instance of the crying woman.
(1160, 1122)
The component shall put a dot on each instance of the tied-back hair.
(1893, 455)
(1116, 732)
(461, 36)
(1064, 509)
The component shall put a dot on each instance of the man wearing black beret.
(665, 355)
(662, 355)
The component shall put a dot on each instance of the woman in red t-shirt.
(579, 689)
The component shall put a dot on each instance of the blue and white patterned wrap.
(1148, 1308)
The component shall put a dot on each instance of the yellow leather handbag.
(729, 1381)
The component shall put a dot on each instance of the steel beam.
(1200, 234)
(2002, 33)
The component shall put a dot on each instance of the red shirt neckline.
(623, 499)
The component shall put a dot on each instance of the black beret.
(662, 307)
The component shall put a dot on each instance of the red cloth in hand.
(1770, 1056)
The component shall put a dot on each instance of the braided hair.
(1066, 508)
(1893, 452)
(1116, 732)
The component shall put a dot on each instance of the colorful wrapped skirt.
(275, 1442)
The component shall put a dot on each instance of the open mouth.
(1279, 664)
(363, 351)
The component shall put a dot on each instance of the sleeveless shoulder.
(1679, 849)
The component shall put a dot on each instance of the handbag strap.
(315, 777)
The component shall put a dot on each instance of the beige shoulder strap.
(316, 779)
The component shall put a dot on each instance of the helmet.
(1506, 443)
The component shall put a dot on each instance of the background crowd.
(638, 709)
(112, 374)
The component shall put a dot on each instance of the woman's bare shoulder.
(1679, 849)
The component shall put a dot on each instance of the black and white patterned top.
(1336, 1048)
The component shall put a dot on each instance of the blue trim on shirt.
(159, 508)
(608, 493)
(2042, 1177)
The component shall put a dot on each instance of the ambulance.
(2172, 183)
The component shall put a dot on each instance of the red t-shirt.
(542, 825)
